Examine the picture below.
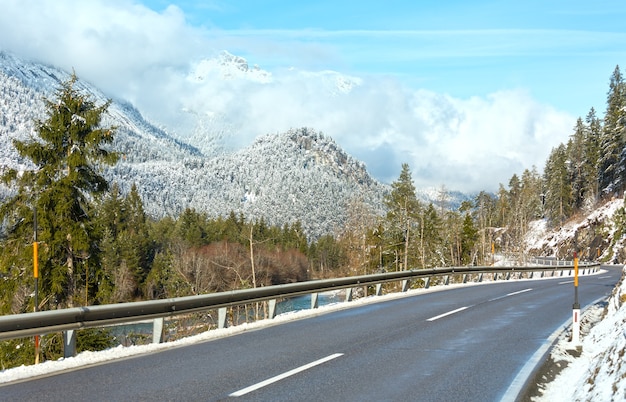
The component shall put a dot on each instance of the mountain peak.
(314, 148)
(299, 175)
(227, 66)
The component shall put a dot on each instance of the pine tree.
(591, 151)
(67, 156)
(468, 240)
(127, 250)
(433, 250)
(402, 211)
(576, 164)
(558, 194)
(612, 172)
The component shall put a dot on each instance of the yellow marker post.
(576, 273)
(36, 276)
(36, 262)
(576, 306)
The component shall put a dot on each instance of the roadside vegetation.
(96, 245)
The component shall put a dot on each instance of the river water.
(304, 302)
(141, 333)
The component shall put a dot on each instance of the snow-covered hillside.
(584, 234)
(298, 175)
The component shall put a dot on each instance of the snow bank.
(599, 373)
(84, 359)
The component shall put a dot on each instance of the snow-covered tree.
(67, 156)
(612, 172)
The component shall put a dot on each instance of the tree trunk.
(70, 272)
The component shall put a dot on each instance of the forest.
(95, 245)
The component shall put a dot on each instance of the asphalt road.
(461, 344)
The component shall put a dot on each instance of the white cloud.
(147, 57)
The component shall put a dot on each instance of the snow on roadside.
(87, 358)
(599, 373)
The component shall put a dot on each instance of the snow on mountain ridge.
(33, 82)
(227, 67)
(300, 175)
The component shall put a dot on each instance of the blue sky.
(467, 93)
(563, 52)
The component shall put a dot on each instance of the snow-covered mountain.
(224, 98)
(298, 175)
(228, 66)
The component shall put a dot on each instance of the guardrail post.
(69, 343)
(508, 276)
(379, 289)
(10, 327)
(464, 278)
(272, 309)
(314, 300)
(427, 283)
(480, 277)
(221, 318)
(158, 330)
(349, 294)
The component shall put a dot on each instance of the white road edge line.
(448, 313)
(517, 385)
(519, 292)
(510, 294)
(279, 377)
(566, 282)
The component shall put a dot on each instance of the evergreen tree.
(402, 211)
(515, 216)
(432, 252)
(65, 180)
(612, 162)
(558, 194)
(127, 250)
(593, 131)
(327, 255)
(468, 240)
(530, 197)
(576, 164)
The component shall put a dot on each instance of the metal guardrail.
(71, 319)
(549, 261)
